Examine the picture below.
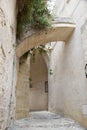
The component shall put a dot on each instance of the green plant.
(13, 63)
(32, 13)
(51, 72)
(41, 49)
(68, 1)
(13, 45)
(30, 79)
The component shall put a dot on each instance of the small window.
(46, 86)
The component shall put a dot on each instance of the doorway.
(38, 95)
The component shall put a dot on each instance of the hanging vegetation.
(32, 13)
(41, 49)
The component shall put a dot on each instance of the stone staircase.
(46, 121)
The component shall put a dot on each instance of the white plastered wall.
(68, 84)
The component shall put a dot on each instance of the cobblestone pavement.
(46, 121)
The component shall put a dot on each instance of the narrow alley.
(45, 121)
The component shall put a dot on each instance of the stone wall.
(68, 84)
(7, 61)
(22, 89)
(26, 97)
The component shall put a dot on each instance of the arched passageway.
(32, 86)
(38, 95)
(58, 32)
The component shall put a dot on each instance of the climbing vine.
(68, 1)
(32, 13)
(41, 49)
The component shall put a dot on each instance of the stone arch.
(58, 32)
(23, 87)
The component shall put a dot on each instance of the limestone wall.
(22, 89)
(27, 98)
(7, 61)
(68, 84)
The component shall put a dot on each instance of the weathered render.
(68, 85)
(7, 61)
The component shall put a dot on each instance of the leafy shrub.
(32, 13)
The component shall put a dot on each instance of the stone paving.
(46, 121)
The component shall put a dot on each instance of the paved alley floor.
(46, 121)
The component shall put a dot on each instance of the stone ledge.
(67, 20)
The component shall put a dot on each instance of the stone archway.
(58, 32)
(26, 97)
(38, 96)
